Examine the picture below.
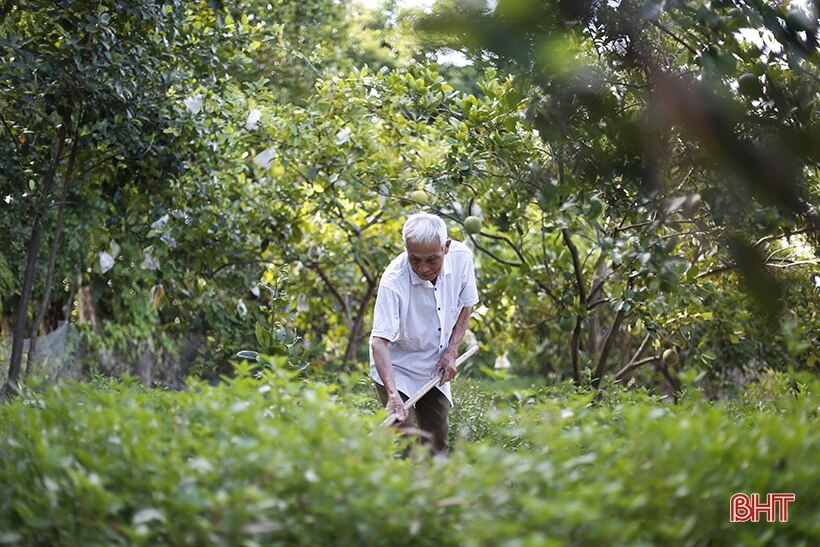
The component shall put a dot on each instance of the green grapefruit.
(670, 357)
(566, 323)
(472, 225)
(421, 196)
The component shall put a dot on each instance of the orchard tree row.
(638, 182)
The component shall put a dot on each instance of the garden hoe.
(391, 419)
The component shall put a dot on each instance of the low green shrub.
(276, 461)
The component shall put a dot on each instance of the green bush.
(278, 461)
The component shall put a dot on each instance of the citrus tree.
(666, 161)
(87, 99)
(83, 84)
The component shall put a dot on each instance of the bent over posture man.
(421, 314)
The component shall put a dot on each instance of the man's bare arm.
(448, 358)
(384, 366)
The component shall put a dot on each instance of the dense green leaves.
(627, 174)
(243, 175)
(638, 106)
(275, 461)
(124, 81)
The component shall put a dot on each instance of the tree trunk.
(608, 341)
(574, 348)
(672, 378)
(356, 331)
(87, 309)
(52, 257)
(31, 263)
(582, 300)
(145, 348)
(595, 318)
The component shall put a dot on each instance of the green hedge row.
(280, 462)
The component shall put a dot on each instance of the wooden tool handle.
(391, 419)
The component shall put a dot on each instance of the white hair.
(424, 228)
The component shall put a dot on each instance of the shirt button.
(440, 347)
(439, 309)
(439, 328)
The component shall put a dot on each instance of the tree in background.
(80, 80)
(85, 97)
(247, 197)
(659, 96)
(658, 109)
(133, 112)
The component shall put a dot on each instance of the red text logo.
(744, 508)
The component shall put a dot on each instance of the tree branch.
(593, 305)
(31, 261)
(632, 365)
(793, 264)
(334, 291)
(675, 37)
(634, 362)
(636, 225)
(670, 376)
(11, 134)
(781, 236)
(576, 265)
(575, 347)
(493, 255)
(782, 265)
(356, 329)
(608, 341)
(716, 271)
(52, 255)
(508, 242)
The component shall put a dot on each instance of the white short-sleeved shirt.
(417, 317)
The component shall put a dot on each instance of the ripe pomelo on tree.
(566, 323)
(670, 357)
(421, 196)
(472, 225)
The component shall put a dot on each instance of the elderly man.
(421, 314)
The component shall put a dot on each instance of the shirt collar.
(414, 277)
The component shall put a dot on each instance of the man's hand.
(447, 363)
(396, 405)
